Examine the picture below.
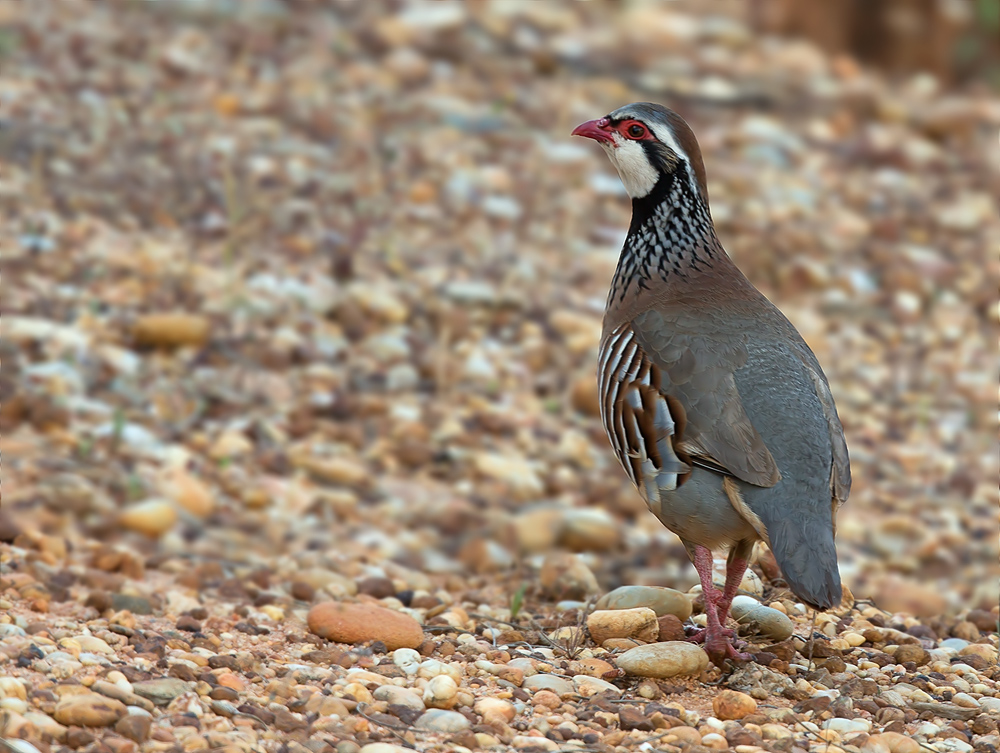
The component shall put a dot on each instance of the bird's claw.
(719, 651)
(720, 645)
(700, 635)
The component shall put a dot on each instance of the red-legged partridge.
(715, 406)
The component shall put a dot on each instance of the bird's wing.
(840, 471)
(637, 417)
(695, 364)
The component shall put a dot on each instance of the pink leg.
(715, 636)
(735, 569)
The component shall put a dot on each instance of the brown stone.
(913, 653)
(89, 710)
(966, 630)
(985, 621)
(361, 623)
(377, 587)
(135, 727)
(302, 591)
(171, 330)
(546, 698)
(671, 628)
(630, 718)
(732, 704)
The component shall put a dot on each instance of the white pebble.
(407, 660)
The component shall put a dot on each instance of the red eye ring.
(633, 129)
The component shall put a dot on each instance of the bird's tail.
(805, 550)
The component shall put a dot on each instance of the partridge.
(718, 411)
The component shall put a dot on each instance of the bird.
(715, 406)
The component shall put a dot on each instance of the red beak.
(599, 130)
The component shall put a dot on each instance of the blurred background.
(311, 292)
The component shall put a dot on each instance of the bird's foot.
(720, 644)
(722, 649)
(700, 635)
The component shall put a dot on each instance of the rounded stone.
(668, 659)
(732, 704)
(442, 720)
(360, 623)
(660, 600)
(161, 690)
(89, 710)
(135, 727)
(985, 621)
(770, 622)
(557, 685)
(565, 576)
(441, 692)
(639, 623)
(154, 517)
(547, 699)
(495, 709)
(911, 652)
(589, 530)
(397, 696)
(847, 726)
(894, 742)
(588, 686)
(670, 628)
(984, 650)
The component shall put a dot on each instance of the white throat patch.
(629, 158)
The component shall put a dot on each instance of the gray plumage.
(716, 407)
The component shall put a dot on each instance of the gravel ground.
(298, 410)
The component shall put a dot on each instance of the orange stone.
(229, 680)
(361, 623)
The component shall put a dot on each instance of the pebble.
(162, 690)
(171, 330)
(441, 720)
(638, 623)
(407, 659)
(588, 686)
(982, 650)
(847, 726)
(492, 709)
(662, 660)
(360, 623)
(770, 622)
(46, 725)
(153, 518)
(188, 492)
(557, 685)
(589, 529)
(533, 743)
(732, 704)
(89, 710)
(13, 687)
(135, 727)
(911, 652)
(441, 692)
(670, 629)
(661, 600)
(565, 576)
(21, 746)
(397, 696)
(93, 644)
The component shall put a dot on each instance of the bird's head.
(648, 143)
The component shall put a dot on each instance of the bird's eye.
(636, 131)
